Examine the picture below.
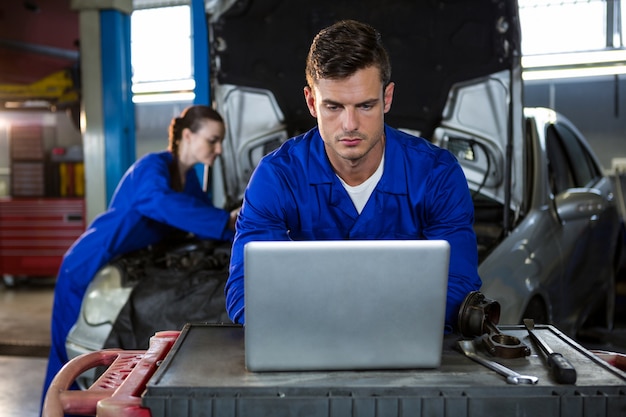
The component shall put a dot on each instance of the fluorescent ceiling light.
(163, 97)
(573, 72)
(575, 64)
(164, 86)
(578, 58)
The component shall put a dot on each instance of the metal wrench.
(512, 377)
(562, 369)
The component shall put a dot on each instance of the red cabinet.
(35, 233)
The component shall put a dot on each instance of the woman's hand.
(233, 218)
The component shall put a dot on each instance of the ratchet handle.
(563, 371)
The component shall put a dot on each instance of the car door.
(583, 201)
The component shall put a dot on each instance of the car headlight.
(105, 297)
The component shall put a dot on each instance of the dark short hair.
(343, 48)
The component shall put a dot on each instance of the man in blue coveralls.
(354, 177)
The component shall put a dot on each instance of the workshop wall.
(596, 105)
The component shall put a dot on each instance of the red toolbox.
(35, 233)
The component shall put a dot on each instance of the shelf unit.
(27, 161)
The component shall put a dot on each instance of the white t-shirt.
(362, 192)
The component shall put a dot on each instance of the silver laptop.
(345, 305)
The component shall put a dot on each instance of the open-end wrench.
(512, 377)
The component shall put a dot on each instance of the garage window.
(572, 38)
(550, 26)
(161, 53)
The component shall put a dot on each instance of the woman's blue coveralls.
(143, 211)
(423, 194)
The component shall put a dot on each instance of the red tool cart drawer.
(36, 232)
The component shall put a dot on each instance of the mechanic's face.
(350, 116)
(206, 143)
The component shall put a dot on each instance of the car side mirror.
(579, 203)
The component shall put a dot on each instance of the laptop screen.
(331, 305)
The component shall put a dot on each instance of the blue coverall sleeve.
(190, 210)
(450, 216)
(261, 218)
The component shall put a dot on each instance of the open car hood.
(482, 127)
(258, 57)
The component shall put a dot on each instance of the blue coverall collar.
(394, 164)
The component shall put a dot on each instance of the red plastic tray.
(117, 393)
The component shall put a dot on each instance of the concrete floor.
(24, 344)
(25, 340)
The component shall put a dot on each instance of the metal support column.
(200, 53)
(107, 111)
(119, 111)
(201, 65)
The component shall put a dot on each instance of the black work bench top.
(204, 375)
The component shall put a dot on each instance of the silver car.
(554, 254)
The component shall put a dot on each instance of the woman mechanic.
(160, 193)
